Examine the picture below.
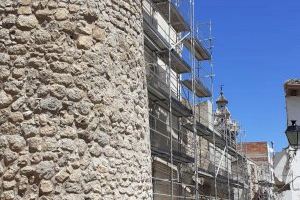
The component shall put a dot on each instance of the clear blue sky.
(257, 48)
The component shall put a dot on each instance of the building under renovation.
(193, 146)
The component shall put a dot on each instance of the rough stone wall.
(73, 101)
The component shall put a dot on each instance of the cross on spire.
(221, 89)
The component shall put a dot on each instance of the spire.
(222, 101)
(221, 90)
(222, 113)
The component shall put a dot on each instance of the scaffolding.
(176, 53)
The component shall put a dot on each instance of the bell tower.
(222, 112)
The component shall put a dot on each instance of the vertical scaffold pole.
(227, 132)
(237, 165)
(192, 16)
(192, 24)
(212, 102)
(170, 99)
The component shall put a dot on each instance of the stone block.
(27, 22)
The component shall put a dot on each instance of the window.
(293, 92)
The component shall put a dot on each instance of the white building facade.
(287, 162)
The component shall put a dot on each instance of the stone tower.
(223, 120)
(73, 101)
